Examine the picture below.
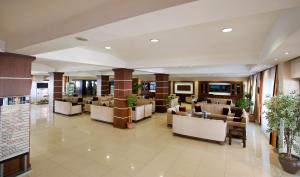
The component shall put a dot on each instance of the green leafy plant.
(283, 115)
(132, 101)
(42, 101)
(136, 88)
(245, 102)
(168, 100)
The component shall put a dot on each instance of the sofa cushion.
(182, 109)
(237, 119)
(225, 111)
(198, 108)
(219, 116)
(238, 113)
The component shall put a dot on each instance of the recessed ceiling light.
(107, 47)
(226, 30)
(107, 157)
(154, 40)
(81, 39)
(286, 53)
(276, 59)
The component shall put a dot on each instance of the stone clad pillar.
(123, 88)
(162, 92)
(15, 81)
(102, 85)
(55, 88)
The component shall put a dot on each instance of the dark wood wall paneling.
(15, 80)
(236, 90)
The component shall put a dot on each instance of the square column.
(55, 88)
(162, 92)
(102, 85)
(123, 88)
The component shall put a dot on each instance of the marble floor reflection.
(80, 147)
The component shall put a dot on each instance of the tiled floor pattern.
(79, 147)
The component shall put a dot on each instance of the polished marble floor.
(79, 147)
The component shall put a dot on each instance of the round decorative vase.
(291, 166)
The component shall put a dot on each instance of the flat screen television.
(219, 88)
(42, 85)
(152, 86)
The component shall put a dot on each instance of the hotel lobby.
(139, 88)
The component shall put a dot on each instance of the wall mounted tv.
(42, 85)
(152, 86)
(219, 88)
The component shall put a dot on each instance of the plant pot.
(289, 165)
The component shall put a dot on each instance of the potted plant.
(136, 88)
(283, 115)
(131, 102)
(245, 102)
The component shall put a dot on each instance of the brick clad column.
(102, 85)
(123, 88)
(55, 87)
(162, 92)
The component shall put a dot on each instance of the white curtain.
(268, 89)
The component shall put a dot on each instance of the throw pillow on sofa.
(209, 101)
(198, 109)
(228, 102)
(225, 111)
(173, 112)
(238, 113)
(182, 109)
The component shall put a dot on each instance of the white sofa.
(220, 101)
(215, 110)
(66, 108)
(138, 113)
(142, 111)
(208, 129)
(102, 113)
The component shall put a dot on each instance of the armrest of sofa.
(76, 109)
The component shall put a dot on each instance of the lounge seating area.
(150, 88)
(209, 121)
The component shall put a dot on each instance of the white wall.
(287, 83)
(2, 46)
(38, 94)
(295, 68)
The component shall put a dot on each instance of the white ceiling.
(191, 41)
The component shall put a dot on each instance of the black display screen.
(219, 88)
(42, 85)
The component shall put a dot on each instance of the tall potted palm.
(283, 115)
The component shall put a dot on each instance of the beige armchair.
(67, 108)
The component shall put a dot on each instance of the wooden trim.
(261, 85)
